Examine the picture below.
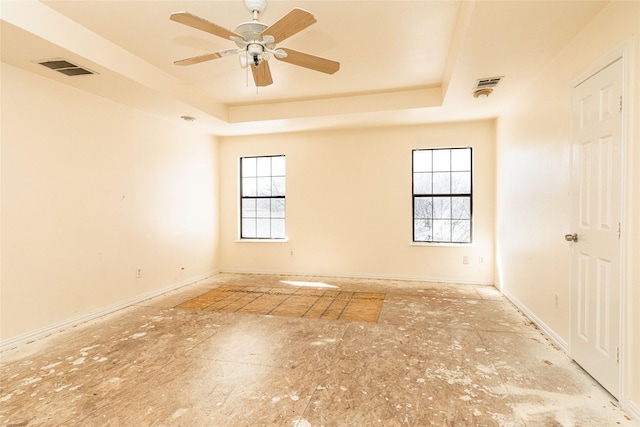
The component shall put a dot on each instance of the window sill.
(285, 240)
(449, 245)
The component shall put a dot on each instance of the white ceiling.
(402, 62)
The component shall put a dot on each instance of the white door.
(596, 125)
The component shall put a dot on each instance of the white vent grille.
(488, 83)
(65, 67)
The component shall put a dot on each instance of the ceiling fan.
(257, 42)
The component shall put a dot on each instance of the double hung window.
(442, 195)
(262, 197)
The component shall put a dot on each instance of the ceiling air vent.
(65, 67)
(490, 82)
(484, 87)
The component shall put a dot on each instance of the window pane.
(460, 182)
(460, 208)
(277, 166)
(277, 229)
(248, 166)
(461, 231)
(422, 161)
(461, 159)
(263, 228)
(249, 187)
(422, 183)
(422, 231)
(263, 208)
(441, 183)
(277, 186)
(264, 187)
(248, 228)
(423, 208)
(442, 207)
(441, 160)
(248, 208)
(441, 230)
(264, 166)
(277, 208)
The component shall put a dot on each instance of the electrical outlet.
(480, 259)
(465, 259)
(557, 300)
(138, 273)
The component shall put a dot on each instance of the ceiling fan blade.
(194, 21)
(310, 61)
(206, 57)
(262, 74)
(290, 24)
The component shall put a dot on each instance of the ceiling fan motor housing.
(251, 31)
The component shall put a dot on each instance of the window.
(262, 197)
(442, 195)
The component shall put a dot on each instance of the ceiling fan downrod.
(256, 7)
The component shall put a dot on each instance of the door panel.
(596, 215)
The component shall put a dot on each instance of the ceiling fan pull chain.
(246, 73)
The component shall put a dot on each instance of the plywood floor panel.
(290, 302)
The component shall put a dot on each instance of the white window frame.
(262, 198)
(431, 198)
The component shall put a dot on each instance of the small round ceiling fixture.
(482, 93)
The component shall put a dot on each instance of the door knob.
(571, 237)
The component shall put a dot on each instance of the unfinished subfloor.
(438, 355)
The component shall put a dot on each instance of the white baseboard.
(95, 314)
(633, 409)
(433, 279)
(557, 340)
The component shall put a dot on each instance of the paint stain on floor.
(290, 302)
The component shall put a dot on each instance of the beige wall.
(349, 204)
(533, 179)
(92, 191)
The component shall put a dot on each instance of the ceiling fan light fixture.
(255, 60)
(255, 49)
